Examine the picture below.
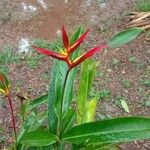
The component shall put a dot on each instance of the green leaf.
(32, 122)
(124, 37)
(68, 120)
(37, 102)
(38, 121)
(76, 35)
(124, 105)
(91, 109)
(58, 73)
(87, 76)
(110, 131)
(38, 138)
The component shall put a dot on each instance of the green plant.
(144, 82)
(126, 83)
(122, 102)
(68, 126)
(7, 57)
(33, 60)
(132, 59)
(2, 139)
(115, 62)
(143, 5)
(105, 94)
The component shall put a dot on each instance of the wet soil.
(22, 21)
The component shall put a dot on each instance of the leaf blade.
(110, 131)
(125, 106)
(38, 138)
(124, 37)
(86, 80)
(37, 102)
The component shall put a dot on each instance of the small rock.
(123, 72)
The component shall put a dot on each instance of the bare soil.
(19, 21)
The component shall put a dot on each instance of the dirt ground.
(124, 71)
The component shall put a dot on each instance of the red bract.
(4, 84)
(87, 55)
(69, 49)
(65, 39)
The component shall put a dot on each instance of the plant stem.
(61, 105)
(12, 117)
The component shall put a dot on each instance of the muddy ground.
(123, 73)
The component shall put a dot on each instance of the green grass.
(143, 5)
(8, 57)
(2, 139)
(41, 43)
(105, 94)
(32, 59)
(132, 59)
(145, 82)
(47, 45)
(126, 83)
(115, 62)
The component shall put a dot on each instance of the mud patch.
(44, 18)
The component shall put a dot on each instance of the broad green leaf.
(37, 102)
(23, 110)
(76, 35)
(59, 83)
(87, 76)
(124, 105)
(4, 83)
(110, 131)
(56, 85)
(52, 118)
(38, 138)
(68, 120)
(90, 110)
(38, 121)
(124, 37)
(31, 123)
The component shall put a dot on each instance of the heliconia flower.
(50, 53)
(4, 84)
(87, 55)
(65, 39)
(69, 49)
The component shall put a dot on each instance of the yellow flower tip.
(4, 91)
(4, 84)
(63, 53)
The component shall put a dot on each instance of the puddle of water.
(65, 1)
(28, 8)
(24, 45)
(43, 4)
(42, 19)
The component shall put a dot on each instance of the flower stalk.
(5, 89)
(12, 116)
